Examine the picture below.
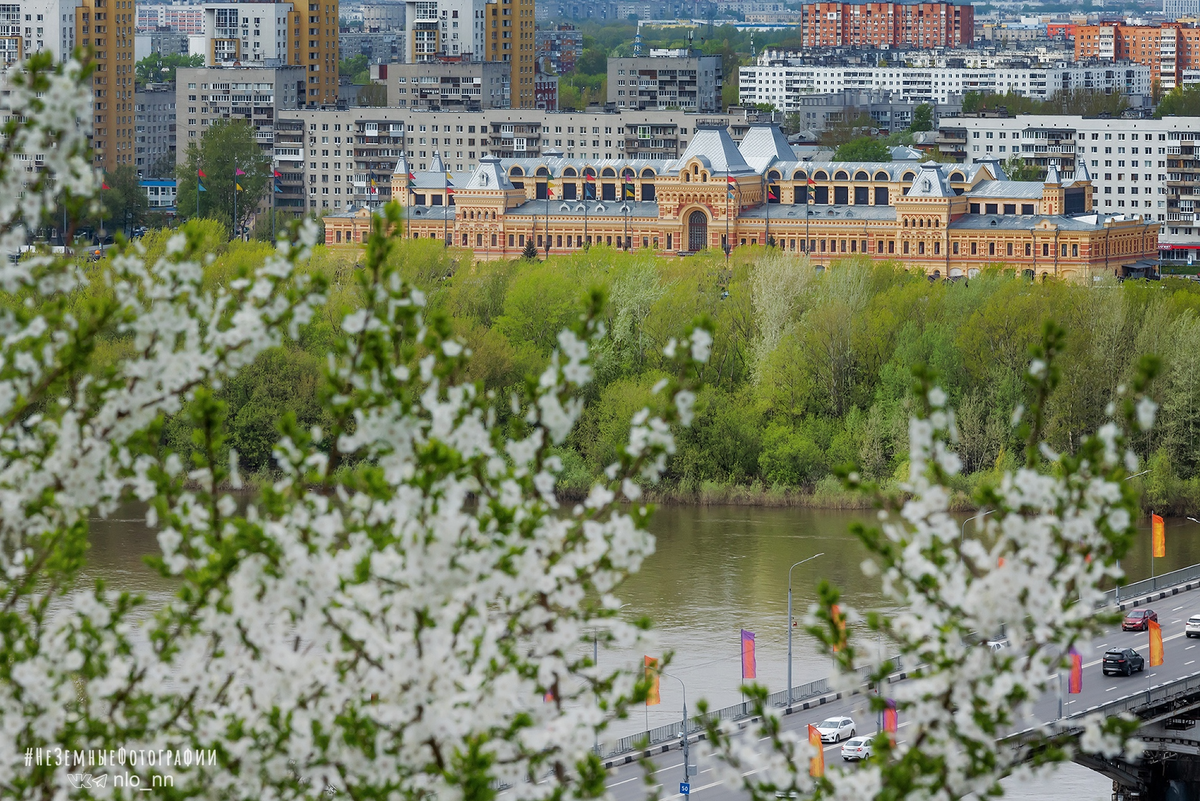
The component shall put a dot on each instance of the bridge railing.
(1147, 586)
(674, 731)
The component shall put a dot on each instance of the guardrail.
(1146, 586)
(674, 731)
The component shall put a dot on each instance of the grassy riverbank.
(809, 371)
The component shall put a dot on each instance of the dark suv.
(1124, 661)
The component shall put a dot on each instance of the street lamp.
(596, 663)
(962, 532)
(789, 624)
(1117, 590)
(689, 769)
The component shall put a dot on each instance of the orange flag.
(652, 697)
(1159, 529)
(816, 766)
(1156, 648)
(839, 620)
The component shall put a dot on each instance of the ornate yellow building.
(947, 219)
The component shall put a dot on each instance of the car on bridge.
(1139, 620)
(1192, 627)
(857, 748)
(1123, 661)
(834, 730)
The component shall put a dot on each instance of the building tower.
(511, 39)
(104, 29)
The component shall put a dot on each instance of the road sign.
(685, 788)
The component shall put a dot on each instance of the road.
(1181, 657)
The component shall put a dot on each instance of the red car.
(1139, 620)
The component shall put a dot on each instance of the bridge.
(1166, 699)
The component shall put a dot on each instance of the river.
(716, 571)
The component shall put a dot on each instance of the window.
(974, 248)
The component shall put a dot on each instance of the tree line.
(810, 370)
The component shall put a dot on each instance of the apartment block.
(780, 82)
(104, 29)
(453, 86)
(559, 47)
(666, 79)
(271, 34)
(154, 130)
(34, 26)
(888, 24)
(383, 16)
(1147, 167)
(1167, 49)
(255, 95)
(511, 31)
(183, 18)
(442, 29)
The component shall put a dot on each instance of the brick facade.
(888, 25)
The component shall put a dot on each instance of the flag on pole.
(748, 664)
(201, 187)
(238, 186)
(237, 171)
(811, 182)
(816, 766)
(1156, 646)
(652, 697)
(411, 177)
(278, 174)
(630, 192)
(730, 179)
(891, 718)
(200, 174)
(1159, 529)
(840, 621)
(449, 179)
(591, 179)
(771, 194)
(104, 185)
(1075, 682)
(548, 698)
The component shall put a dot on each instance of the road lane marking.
(1185, 664)
(1190, 647)
(1110, 689)
(1176, 609)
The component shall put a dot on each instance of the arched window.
(908, 176)
(773, 175)
(516, 171)
(882, 176)
(542, 171)
(569, 172)
(648, 174)
(608, 172)
(820, 175)
(956, 177)
(799, 175)
(841, 175)
(861, 175)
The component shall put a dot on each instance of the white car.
(834, 730)
(857, 748)
(1192, 627)
(997, 645)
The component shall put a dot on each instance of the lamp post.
(789, 623)
(689, 769)
(962, 532)
(596, 663)
(1117, 590)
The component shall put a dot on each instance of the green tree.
(530, 251)
(972, 102)
(124, 202)
(864, 148)
(922, 119)
(159, 68)
(1182, 101)
(1018, 169)
(225, 148)
(852, 124)
(353, 66)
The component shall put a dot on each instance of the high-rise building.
(1168, 50)
(303, 33)
(666, 79)
(941, 23)
(476, 30)
(32, 26)
(105, 31)
(154, 121)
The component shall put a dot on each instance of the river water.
(716, 571)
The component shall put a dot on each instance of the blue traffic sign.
(685, 788)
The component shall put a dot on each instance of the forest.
(810, 371)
